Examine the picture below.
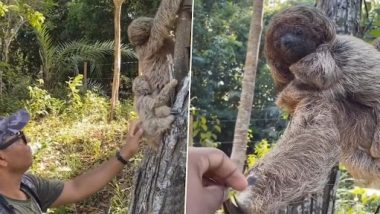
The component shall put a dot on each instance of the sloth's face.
(141, 86)
(296, 32)
(295, 43)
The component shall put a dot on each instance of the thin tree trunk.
(160, 181)
(1, 83)
(85, 76)
(117, 58)
(239, 147)
(183, 37)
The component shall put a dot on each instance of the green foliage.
(261, 149)
(69, 128)
(353, 199)
(74, 96)
(205, 129)
(35, 18)
(3, 9)
(219, 50)
(24, 10)
(370, 20)
(119, 200)
(77, 105)
(61, 60)
(79, 138)
(14, 88)
(41, 103)
(93, 19)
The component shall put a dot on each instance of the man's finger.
(214, 193)
(133, 127)
(139, 132)
(223, 169)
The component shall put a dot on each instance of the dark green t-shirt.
(47, 191)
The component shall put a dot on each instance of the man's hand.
(132, 140)
(210, 172)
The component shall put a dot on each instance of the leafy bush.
(352, 199)
(205, 129)
(71, 134)
(74, 96)
(14, 88)
(261, 149)
(41, 103)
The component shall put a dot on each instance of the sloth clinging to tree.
(154, 47)
(153, 43)
(153, 110)
(331, 86)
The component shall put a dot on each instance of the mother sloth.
(331, 86)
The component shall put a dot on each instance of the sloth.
(154, 44)
(330, 84)
(154, 48)
(153, 111)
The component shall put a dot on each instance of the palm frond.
(66, 57)
(47, 50)
(89, 52)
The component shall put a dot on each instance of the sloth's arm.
(298, 165)
(318, 69)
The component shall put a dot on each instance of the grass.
(77, 137)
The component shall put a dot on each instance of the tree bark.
(85, 71)
(183, 37)
(117, 58)
(160, 181)
(345, 13)
(239, 147)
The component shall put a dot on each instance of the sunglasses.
(12, 139)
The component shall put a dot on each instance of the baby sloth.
(331, 86)
(153, 109)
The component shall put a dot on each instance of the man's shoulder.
(44, 190)
(29, 181)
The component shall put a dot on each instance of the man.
(22, 193)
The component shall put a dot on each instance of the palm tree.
(63, 58)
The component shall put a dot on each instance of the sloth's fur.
(153, 111)
(333, 94)
(152, 42)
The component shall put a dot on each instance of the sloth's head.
(141, 86)
(298, 31)
(294, 33)
(139, 30)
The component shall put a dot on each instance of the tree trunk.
(183, 37)
(85, 66)
(160, 181)
(239, 147)
(117, 58)
(1, 83)
(345, 13)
